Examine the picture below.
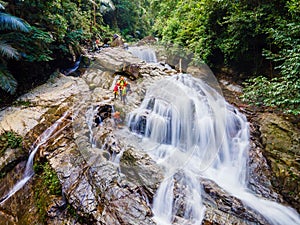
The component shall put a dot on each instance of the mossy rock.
(281, 140)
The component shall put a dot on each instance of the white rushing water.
(192, 132)
(29, 172)
(146, 54)
(90, 120)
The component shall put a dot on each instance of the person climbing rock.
(124, 94)
(117, 119)
(121, 84)
(116, 90)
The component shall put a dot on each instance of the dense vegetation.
(40, 36)
(258, 40)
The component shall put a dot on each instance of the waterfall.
(193, 133)
(29, 172)
(146, 54)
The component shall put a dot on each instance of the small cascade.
(91, 119)
(192, 132)
(41, 140)
(146, 54)
(116, 157)
(71, 70)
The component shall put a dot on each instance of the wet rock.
(132, 71)
(118, 41)
(11, 158)
(104, 111)
(260, 174)
(282, 150)
(232, 87)
(147, 40)
(236, 211)
(105, 179)
(114, 59)
(140, 169)
(21, 120)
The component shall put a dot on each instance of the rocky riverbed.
(106, 179)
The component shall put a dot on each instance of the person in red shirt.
(116, 90)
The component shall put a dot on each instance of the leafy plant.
(22, 103)
(9, 139)
(130, 17)
(249, 36)
(282, 91)
(8, 23)
(47, 183)
(49, 177)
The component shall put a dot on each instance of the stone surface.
(104, 178)
(281, 140)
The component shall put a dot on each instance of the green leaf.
(7, 82)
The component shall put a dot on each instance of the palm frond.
(7, 82)
(8, 51)
(2, 5)
(9, 22)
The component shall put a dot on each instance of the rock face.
(106, 179)
(281, 140)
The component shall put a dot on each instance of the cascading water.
(146, 54)
(29, 172)
(193, 133)
(90, 120)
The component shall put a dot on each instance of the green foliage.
(41, 201)
(79, 218)
(236, 30)
(47, 183)
(130, 17)
(7, 50)
(8, 23)
(49, 177)
(7, 81)
(191, 24)
(9, 140)
(22, 103)
(58, 30)
(254, 37)
(13, 140)
(33, 46)
(281, 93)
